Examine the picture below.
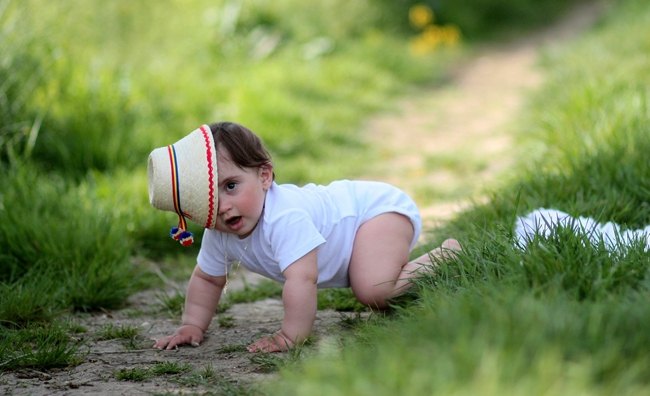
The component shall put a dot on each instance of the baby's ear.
(266, 174)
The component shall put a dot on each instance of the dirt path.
(452, 140)
(444, 146)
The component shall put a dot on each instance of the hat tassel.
(183, 236)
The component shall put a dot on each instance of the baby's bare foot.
(426, 263)
(447, 250)
(452, 244)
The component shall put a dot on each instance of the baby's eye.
(231, 186)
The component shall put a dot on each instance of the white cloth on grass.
(543, 221)
(297, 220)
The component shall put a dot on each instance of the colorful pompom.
(175, 233)
(186, 238)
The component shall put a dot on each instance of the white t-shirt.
(297, 220)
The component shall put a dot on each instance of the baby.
(356, 234)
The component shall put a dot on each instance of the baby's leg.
(379, 266)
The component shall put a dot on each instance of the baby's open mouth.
(233, 220)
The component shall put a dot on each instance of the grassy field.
(564, 316)
(88, 88)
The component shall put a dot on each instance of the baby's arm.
(201, 302)
(299, 297)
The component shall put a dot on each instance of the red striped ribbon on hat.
(176, 188)
(208, 152)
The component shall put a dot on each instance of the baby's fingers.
(162, 343)
(276, 343)
(263, 345)
(173, 341)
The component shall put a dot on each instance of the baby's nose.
(223, 205)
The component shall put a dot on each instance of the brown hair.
(246, 149)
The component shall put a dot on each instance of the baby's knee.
(372, 300)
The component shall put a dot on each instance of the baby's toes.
(452, 244)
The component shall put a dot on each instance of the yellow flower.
(421, 15)
(433, 35)
(423, 44)
(451, 34)
(419, 46)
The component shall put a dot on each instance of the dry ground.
(468, 118)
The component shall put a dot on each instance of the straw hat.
(183, 179)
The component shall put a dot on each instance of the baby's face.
(241, 195)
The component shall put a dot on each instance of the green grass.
(135, 374)
(234, 348)
(170, 367)
(226, 321)
(563, 316)
(339, 300)
(272, 362)
(138, 374)
(199, 377)
(53, 257)
(130, 336)
(215, 383)
(111, 332)
(32, 299)
(505, 343)
(172, 304)
(264, 289)
(336, 299)
(38, 347)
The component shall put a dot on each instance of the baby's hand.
(187, 334)
(275, 343)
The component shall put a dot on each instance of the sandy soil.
(221, 349)
(469, 118)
